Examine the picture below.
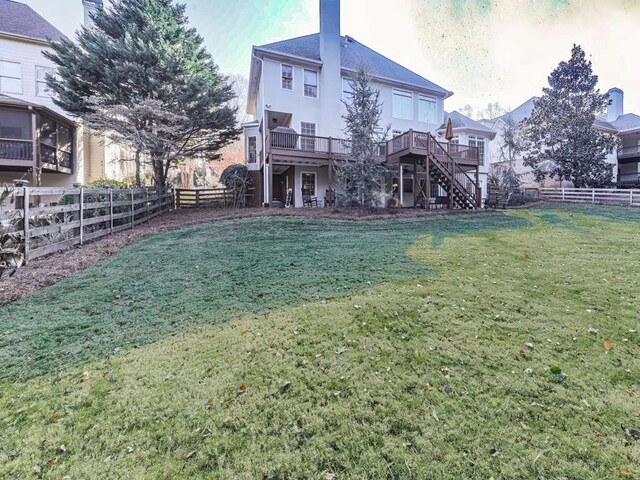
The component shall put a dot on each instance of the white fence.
(608, 196)
(52, 219)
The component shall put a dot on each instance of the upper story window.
(42, 90)
(310, 83)
(455, 140)
(426, 109)
(478, 142)
(10, 77)
(287, 76)
(347, 88)
(252, 150)
(402, 105)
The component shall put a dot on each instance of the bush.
(237, 180)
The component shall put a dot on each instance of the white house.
(35, 134)
(296, 92)
(625, 161)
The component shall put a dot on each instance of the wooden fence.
(608, 196)
(206, 197)
(78, 215)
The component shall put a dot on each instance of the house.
(296, 93)
(625, 161)
(40, 142)
(467, 131)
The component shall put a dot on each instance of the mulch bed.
(48, 270)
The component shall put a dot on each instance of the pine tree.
(141, 65)
(560, 138)
(362, 175)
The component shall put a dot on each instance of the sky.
(482, 50)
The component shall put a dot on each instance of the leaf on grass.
(607, 345)
(84, 377)
(624, 472)
(55, 416)
(243, 388)
(190, 454)
(465, 340)
(426, 387)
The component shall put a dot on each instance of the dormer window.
(287, 77)
(310, 83)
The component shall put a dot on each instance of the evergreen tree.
(362, 175)
(560, 138)
(141, 65)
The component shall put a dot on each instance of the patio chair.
(308, 200)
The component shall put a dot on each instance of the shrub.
(236, 178)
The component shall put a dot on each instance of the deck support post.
(270, 183)
(452, 172)
(413, 190)
(401, 185)
(478, 191)
(427, 184)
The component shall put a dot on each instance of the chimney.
(331, 79)
(90, 8)
(615, 108)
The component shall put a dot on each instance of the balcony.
(629, 152)
(416, 145)
(16, 153)
(295, 149)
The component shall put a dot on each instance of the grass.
(483, 346)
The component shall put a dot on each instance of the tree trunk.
(137, 160)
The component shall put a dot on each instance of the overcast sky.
(483, 50)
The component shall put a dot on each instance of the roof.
(354, 54)
(460, 121)
(519, 113)
(627, 122)
(6, 100)
(21, 20)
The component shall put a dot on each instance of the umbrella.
(449, 133)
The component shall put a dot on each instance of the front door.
(280, 187)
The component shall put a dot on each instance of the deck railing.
(626, 152)
(322, 147)
(12, 149)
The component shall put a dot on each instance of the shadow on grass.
(173, 282)
(605, 212)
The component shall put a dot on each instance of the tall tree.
(467, 110)
(503, 174)
(493, 110)
(362, 175)
(560, 138)
(141, 64)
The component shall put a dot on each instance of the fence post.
(133, 213)
(593, 195)
(631, 197)
(563, 194)
(25, 224)
(146, 191)
(111, 210)
(81, 215)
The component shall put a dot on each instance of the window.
(455, 140)
(42, 90)
(478, 142)
(426, 109)
(287, 77)
(310, 84)
(402, 104)
(56, 143)
(253, 150)
(307, 138)
(10, 77)
(309, 184)
(347, 89)
(15, 125)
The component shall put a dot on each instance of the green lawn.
(476, 346)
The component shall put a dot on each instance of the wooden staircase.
(462, 189)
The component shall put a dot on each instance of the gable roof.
(628, 121)
(519, 113)
(353, 54)
(21, 20)
(462, 122)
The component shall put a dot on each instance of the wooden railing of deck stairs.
(464, 190)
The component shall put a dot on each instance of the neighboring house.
(296, 93)
(35, 134)
(467, 131)
(625, 161)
